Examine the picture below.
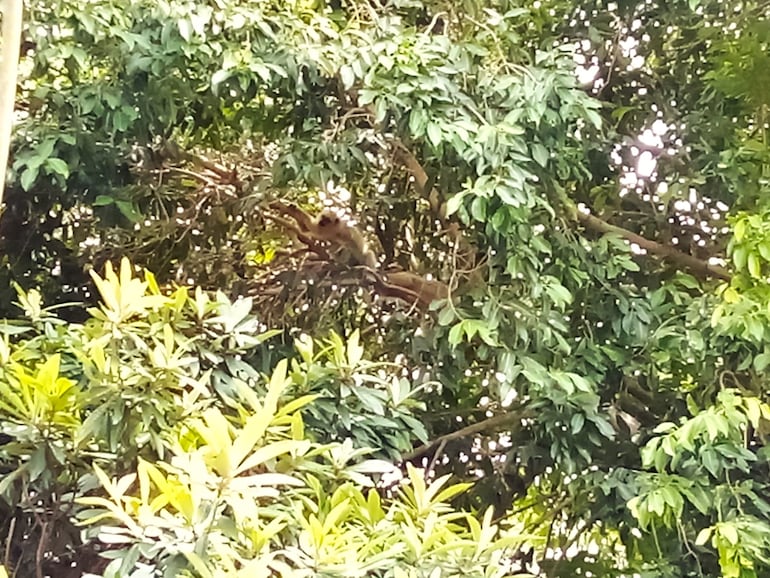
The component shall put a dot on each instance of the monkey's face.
(329, 221)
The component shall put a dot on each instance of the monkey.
(425, 290)
(353, 249)
(329, 227)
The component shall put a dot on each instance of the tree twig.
(9, 541)
(436, 456)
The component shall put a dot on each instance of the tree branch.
(513, 419)
(589, 222)
(667, 252)
(421, 180)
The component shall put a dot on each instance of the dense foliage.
(578, 188)
(150, 427)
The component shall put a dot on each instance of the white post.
(9, 64)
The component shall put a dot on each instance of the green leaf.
(479, 209)
(28, 177)
(739, 231)
(347, 76)
(185, 29)
(761, 362)
(604, 427)
(128, 210)
(692, 406)
(37, 463)
(740, 257)
(729, 532)
(355, 351)
(45, 149)
(558, 294)
(687, 281)
(269, 452)
(656, 504)
(103, 201)
(711, 461)
(57, 166)
(755, 267)
(594, 118)
(219, 77)
(764, 250)
(434, 134)
(703, 536)
(673, 499)
(446, 315)
(540, 154)
(619, 112)
(699, 498)
(454, 203)
(576, 423)
(418, 121)
(456, 334)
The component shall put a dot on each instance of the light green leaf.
(454, 203)
(703, 536)
(57, 166)
(347, 76)
(540, 154)
(185, 29)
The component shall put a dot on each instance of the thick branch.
(421, 180)
(667, 252)
(511, 419)
(467, 252)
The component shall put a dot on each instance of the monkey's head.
(328, 220)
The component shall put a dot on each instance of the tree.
(569, 265)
